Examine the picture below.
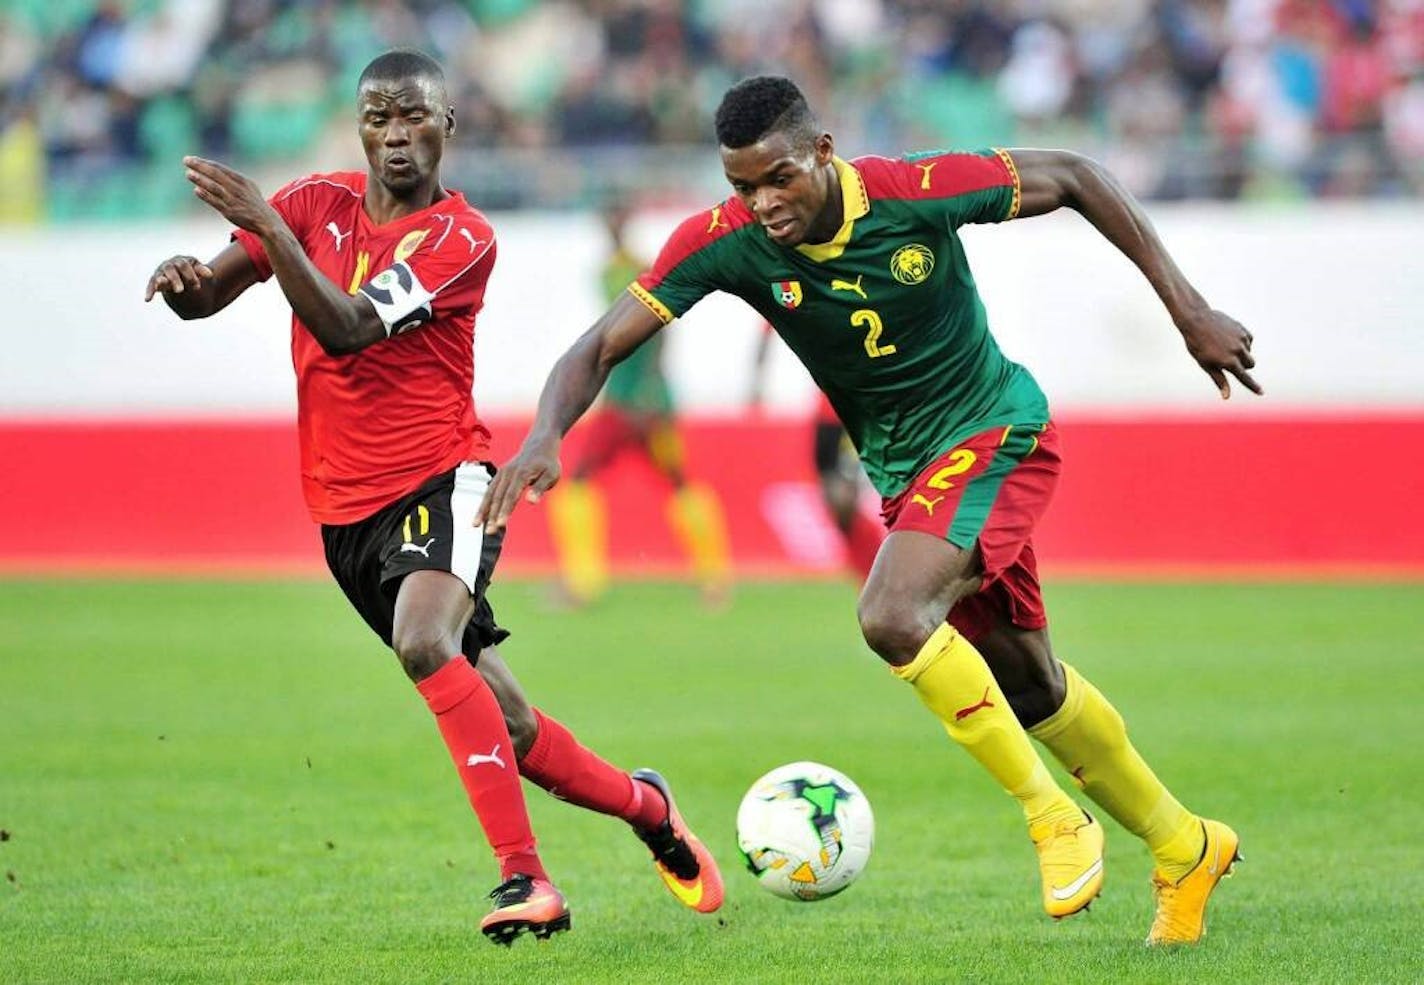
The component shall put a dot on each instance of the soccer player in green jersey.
(858, 266)
(637, 413)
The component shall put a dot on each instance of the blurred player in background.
(838, 471)
(859, 267)
(385, 271)
(637, 414)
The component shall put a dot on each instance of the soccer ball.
(805, 831)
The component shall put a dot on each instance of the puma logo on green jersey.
(844, 285)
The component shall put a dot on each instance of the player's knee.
(895, 631)
(422, 650)
(523, 727)
(1037, 695)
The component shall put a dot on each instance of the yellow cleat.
(1181, 906)
(1070, 857)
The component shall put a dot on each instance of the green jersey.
(638, 383)
(885, 316)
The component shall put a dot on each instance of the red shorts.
(990, 490)
(614, 429)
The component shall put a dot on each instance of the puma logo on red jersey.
(337, 234)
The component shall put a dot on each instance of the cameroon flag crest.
(787, 293)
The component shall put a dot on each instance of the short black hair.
(755, 107)
(402, 63)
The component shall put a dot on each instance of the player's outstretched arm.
(1052, 179)
(196, 290)
(570, 390)
(341, 323)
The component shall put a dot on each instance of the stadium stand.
(1217, 99)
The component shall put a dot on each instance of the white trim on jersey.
(449, 225)
(476, 259)
(319, 181)
(472, 481)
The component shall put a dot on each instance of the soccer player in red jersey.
(859, 267)
(385, 271)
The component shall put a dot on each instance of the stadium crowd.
(1182, 98)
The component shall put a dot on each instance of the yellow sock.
(1088, 737)
(578, 520)
(695, 513)
(954, 682)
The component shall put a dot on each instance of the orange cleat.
(686, 867)
(1181, 906)
(1070, 858)
(525, 903)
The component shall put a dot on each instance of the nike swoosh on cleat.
(1076, 886)
(689, 895)
(520, 907)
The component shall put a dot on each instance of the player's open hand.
(530, 473)
(1220, 345)
(234, 195)
(177, 274)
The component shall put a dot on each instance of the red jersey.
(376, 424)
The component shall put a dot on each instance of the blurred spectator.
(560, 100)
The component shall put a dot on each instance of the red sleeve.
(977, 186)
(686, 268)
(295, 203)
(455, 263)
(440, 275)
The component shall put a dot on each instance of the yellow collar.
(856, 204)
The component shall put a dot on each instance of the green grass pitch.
(233, 782)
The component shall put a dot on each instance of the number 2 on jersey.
(867, 317)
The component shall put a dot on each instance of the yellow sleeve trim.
(1008, 160)
(651, 303)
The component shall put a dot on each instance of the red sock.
(473, 727)
(576, 774)
(863, 543)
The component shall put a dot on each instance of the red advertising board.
(1299, 495)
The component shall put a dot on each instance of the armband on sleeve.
(400, 299)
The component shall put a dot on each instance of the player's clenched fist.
(177, 274)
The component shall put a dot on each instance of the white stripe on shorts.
(472, 481)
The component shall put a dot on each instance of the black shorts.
(431, 529)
